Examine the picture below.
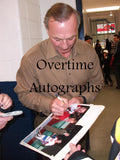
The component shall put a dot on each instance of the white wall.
(21, 27)
(10, 46)
(30, 23)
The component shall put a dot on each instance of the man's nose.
(64, 44)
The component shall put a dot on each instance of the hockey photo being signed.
(60, 129)
(52, 137)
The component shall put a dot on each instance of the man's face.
(63, 34)
(89, 41)
(115, 39)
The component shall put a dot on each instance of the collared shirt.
(44, 72)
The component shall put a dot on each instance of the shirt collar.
(75, 49)
(51, 52)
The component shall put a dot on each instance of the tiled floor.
(100, 131)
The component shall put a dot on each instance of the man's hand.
(58, 107)
(5, 101)
(73, 149)
(76, 100)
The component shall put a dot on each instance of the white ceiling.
(99, 3)
(87, 4)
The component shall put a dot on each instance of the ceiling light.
(103, 9)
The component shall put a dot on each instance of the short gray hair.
(60, 12)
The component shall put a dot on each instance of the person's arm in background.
(5, 103)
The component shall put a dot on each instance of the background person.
(106, 67)
(98, 49)
(116, 60)
(108, 46)
(88, 39)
